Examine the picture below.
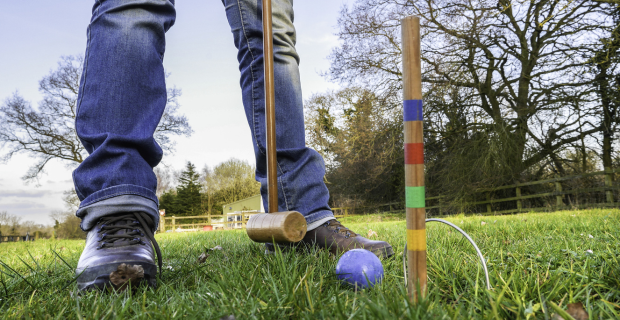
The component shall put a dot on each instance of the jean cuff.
(90, 214)
(316, 224)
(123, 189)
(318, 216)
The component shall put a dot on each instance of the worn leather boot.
(119, 254)
(336, 238)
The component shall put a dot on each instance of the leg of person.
(121, 100)
(301, 186)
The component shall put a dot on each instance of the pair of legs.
(121, 100)
(123, 95)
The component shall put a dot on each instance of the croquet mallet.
(279, 227)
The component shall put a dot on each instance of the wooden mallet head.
(279, 227)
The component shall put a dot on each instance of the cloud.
(21, 206)
(29, 210)
(68, 181)
(25, 193)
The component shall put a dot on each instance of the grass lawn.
(532, 258)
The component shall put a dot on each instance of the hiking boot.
(336, 238)
(119, 253)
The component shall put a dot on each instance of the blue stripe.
(412, 110)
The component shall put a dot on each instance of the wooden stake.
(414, 157)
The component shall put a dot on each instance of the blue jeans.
(123, 95)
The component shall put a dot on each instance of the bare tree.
(4, 219)
(48, 132)
(520, 66)
(230, 181)
(165, 179)
(361, 141)
(606, 63)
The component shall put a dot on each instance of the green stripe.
(414, 197)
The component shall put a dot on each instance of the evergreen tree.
(188, 200)
(168, 202)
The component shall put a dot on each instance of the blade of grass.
(560, 311)
(17, 273)
(63, 260)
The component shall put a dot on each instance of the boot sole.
(98, 278)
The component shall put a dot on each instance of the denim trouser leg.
(122, 97)
(300, 169)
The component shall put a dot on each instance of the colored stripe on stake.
(412, 110)
(414, 197)
(414, 153)
(416, 240)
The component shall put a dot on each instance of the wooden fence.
(217, 222)
(16, 238)
(543, 195)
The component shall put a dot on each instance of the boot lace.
(127, 229)
(337, 227)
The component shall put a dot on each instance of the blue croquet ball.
(359, 268)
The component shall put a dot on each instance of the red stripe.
(414, 153)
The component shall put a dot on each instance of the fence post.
(488, 204)
(346, 212)
(609, 193)
(162, 224)
(519, 202)
(558, 197)
(173, 224)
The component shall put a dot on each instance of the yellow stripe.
(416, 240)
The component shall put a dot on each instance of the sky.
(201, 57)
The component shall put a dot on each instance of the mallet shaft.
(414, 157)
(274, 226)
(270, 109)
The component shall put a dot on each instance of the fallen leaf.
(372, 233)
(230, 317)
(483, 223)
(590, 236)
(576, 311)
(216, 248)
(202, 258)
(126, 274)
